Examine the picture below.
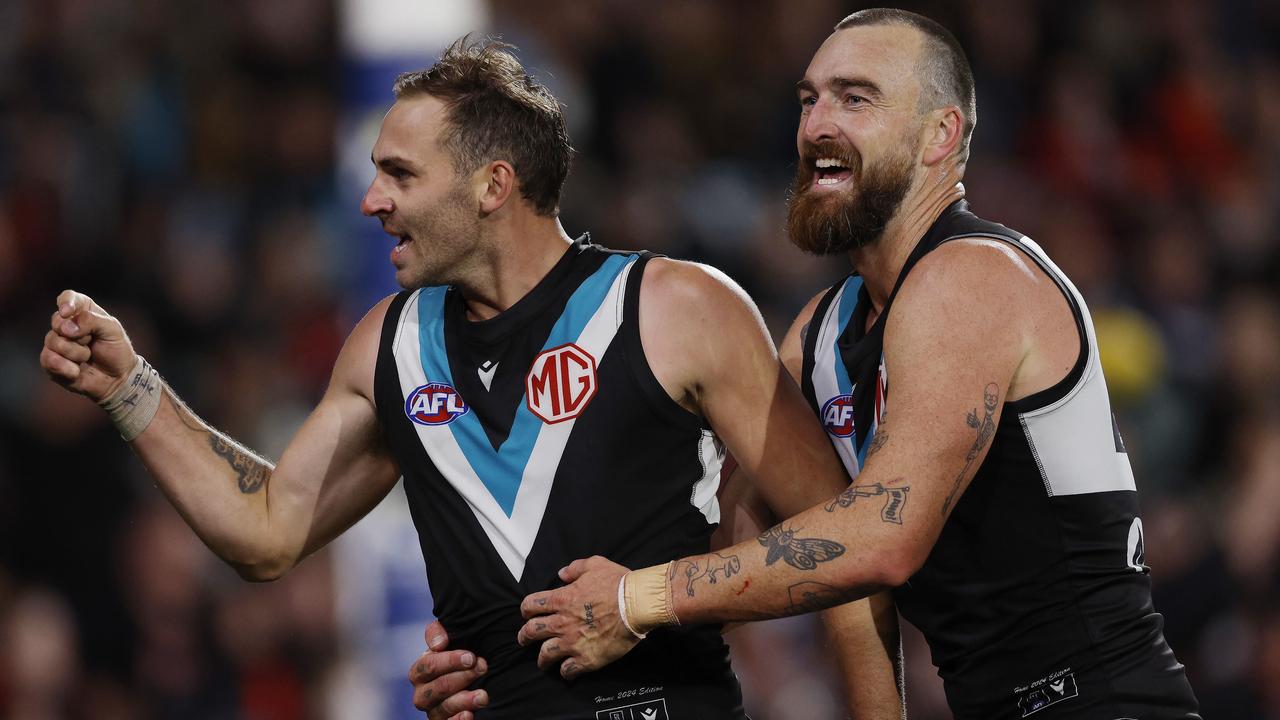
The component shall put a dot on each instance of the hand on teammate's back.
(86, 350)
(441, 677)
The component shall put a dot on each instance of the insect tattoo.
(800, 553)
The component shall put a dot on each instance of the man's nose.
(819, 123)
(375, 202)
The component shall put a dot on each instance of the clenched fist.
(86, 350)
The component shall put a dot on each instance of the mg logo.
(435, 404)
(561, 383)
(837, 416)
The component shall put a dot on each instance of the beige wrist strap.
(645, 601)
(134, 402)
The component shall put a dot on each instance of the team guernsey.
(538, 437)
(1035, 600)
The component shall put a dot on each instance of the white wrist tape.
(645, 601)
(133, 404)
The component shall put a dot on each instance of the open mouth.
(830, 171)
(402, 238)
(402, 241)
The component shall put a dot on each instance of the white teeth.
(828, 162)
(828, 181)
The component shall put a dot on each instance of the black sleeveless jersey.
(538, 437)
(1035, 600)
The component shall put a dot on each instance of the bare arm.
(951, 360)
(864, 633)
(710, 349)
(261, 519)
(959, 331)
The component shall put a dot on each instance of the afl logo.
(561, 383)
(837, 416)
(435, 404)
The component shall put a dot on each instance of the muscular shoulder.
(974, 263)
(691, 300)
(680, 285)
(695, 321)
(983, 301)
(354, 369)
(973, 281)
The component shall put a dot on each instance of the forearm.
(848, 548)
(219, 487)
(259, 519)
(866, 643)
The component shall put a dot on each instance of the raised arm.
(258, 517)
(959, 330)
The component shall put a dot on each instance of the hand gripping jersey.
(1035, 600)
(538, 437)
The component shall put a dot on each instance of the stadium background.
(196, 166)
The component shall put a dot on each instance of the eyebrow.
(836, 84)
(391, 161)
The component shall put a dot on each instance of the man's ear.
(497, 183)
(942, 134)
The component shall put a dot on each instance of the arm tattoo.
(986, 428)
(590, 615)
(895, 500)
(707, 566)
(807, 597)
(251, 474)
(800, 553)
(877, 441)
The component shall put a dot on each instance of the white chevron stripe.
(825, 385)
(512, 537)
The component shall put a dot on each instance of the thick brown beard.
(832, 223)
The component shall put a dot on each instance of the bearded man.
(543, 398)
(957, 374)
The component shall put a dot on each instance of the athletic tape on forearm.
(134, 403)
(645, 601)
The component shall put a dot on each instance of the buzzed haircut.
(495, 111)
(943, 69)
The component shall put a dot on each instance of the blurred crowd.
(177, 160)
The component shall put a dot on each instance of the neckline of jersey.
(496, 328)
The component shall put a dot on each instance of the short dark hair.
(943, 70)
(495, 110)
